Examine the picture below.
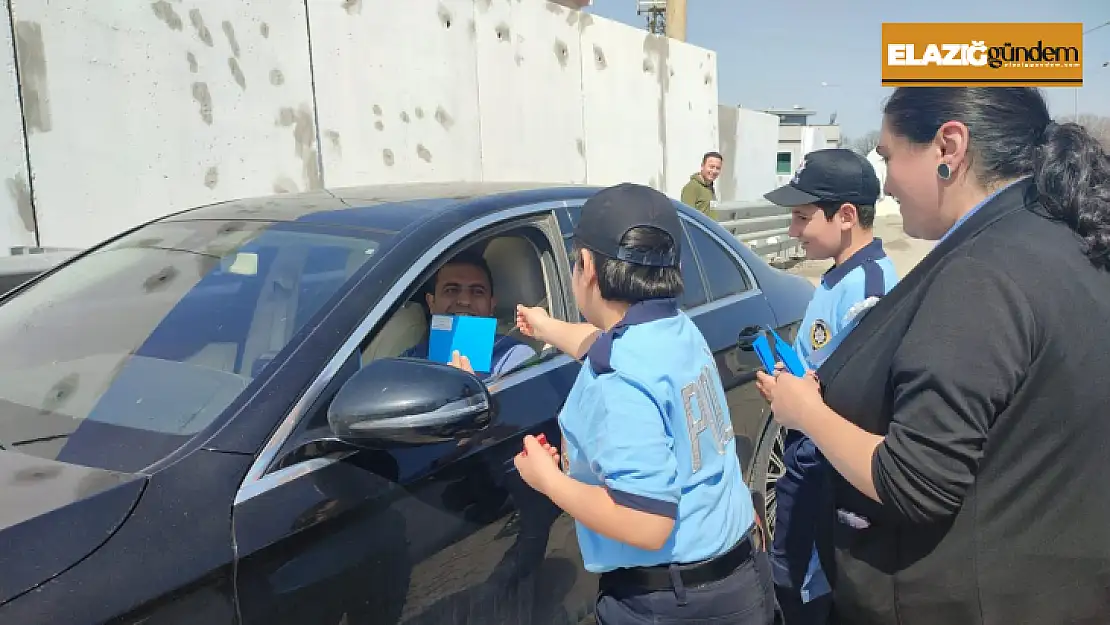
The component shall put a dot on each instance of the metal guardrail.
(762, 226)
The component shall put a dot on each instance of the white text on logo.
(959, 54)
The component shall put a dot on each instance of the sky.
(778, 55)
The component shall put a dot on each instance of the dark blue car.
(203, 420)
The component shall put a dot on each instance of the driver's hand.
(459, 361)
(532, 321)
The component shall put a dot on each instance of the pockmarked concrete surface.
(904, 251)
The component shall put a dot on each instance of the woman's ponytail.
(1072, 173)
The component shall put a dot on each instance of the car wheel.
(767, 468)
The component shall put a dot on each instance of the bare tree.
(844, 142)
(866, 143)
(1097, 125)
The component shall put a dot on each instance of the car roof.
(389, 208)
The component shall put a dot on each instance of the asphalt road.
(902, 250)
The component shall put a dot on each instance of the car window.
(722, 272)
(693, 293)
(516, 262)
(518, 274)
(152, 336)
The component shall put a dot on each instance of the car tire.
(767, 467)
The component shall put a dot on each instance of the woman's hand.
(763, 390)
(794, 401)
(797, 404)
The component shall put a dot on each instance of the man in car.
(464, 286)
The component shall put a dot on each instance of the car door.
(733, 306)
(438, 533)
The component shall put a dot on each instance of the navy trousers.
(794, 612)
(802, 497)
(746, 597)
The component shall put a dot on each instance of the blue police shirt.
(648, 420)
(507, 353)
(834, 310)
(867, 273)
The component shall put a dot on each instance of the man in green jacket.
(699, 192)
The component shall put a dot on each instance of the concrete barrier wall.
(530, 100)
(397, 90)
(623, 107)
(17, 216)
(126, 111)
(749, 140)
(690, 108)
(135, 109)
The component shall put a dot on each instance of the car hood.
(54, 514)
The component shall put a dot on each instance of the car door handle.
(747, 337)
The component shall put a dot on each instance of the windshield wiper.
(41, 439)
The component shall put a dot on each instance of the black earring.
(944, 171)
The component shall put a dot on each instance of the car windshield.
(117, 359)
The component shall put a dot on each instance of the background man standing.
(699, 192)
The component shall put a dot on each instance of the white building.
(880, 171)
(798, 137)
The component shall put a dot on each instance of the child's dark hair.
(866, 212)
(1012, 135)
(622, 281)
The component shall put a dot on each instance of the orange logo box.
(983, 55)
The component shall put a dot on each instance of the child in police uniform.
(832, 198)
(649, 466)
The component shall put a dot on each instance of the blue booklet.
(772, 349)
(472, 337)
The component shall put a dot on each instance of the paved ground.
(904, 251)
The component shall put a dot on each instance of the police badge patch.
(819, 335)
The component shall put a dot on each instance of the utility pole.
(656, 11)
(676, 19)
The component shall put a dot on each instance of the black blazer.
(988, 371)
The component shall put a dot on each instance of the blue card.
(772, 349)
(788, 356)
(472, 337)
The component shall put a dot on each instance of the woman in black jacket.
(968, 414)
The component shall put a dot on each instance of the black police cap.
(832, 175)
(612, 212)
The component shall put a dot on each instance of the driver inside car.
(464, 286)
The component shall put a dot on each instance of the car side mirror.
(407, 401)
